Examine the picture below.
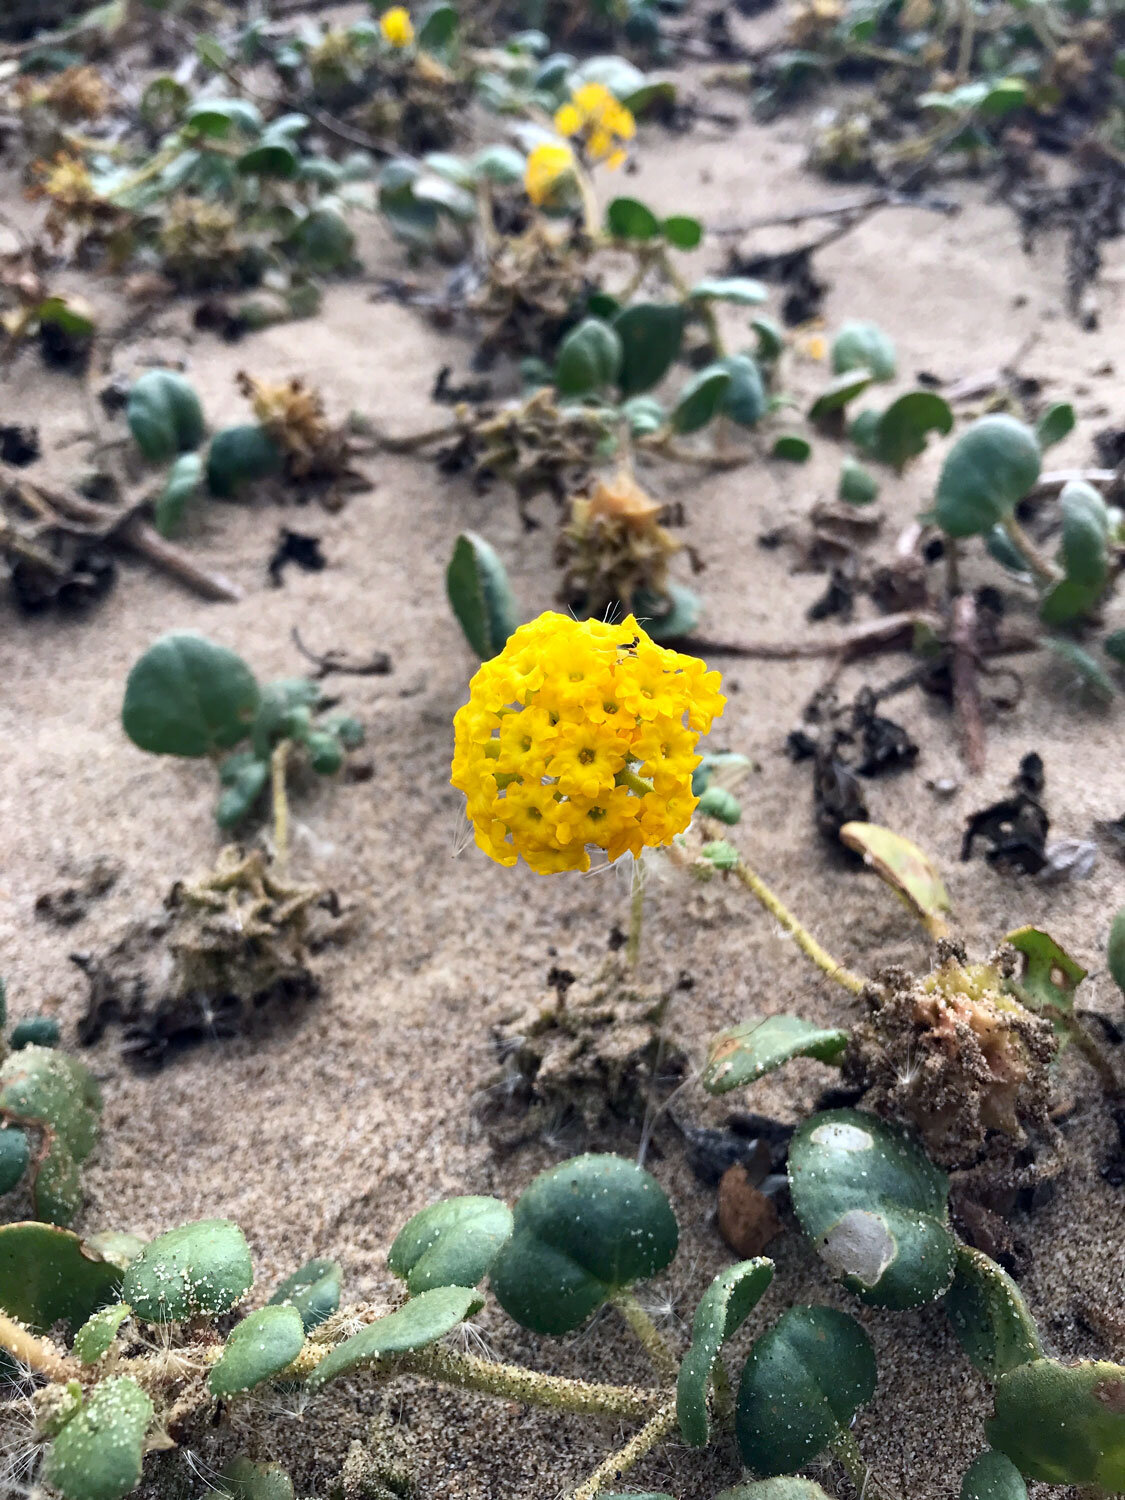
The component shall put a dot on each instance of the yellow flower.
(396, 26)
(581, 735)
(547, 167)
(601, 121)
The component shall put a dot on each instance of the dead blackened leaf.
(1016, 826)
(710, 1153)
(837, 794)
(295, 547)
(748, 1219)
(69, 903)
(18, 445)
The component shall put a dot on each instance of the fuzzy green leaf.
(864, 346)
(47, 1275)
(164, 415)
(990, 467)
(1064, 1424)
(239, 456)
(188, 696)
(702, 398)
(452, 1243)
(99, 1331)
(314, 1291)
(651, 334)
(477, 584)
(989, 1315)
(746, 1052)
(589, 359)
(259, 1347)
(723, 1308)
(198, 1269)
(900, 433)
(425, 1319)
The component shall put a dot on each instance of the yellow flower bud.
(397, 27)
(547, 167)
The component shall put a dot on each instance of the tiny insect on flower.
(581, 735)
(602, 123)
(548, 167)
(397, 27)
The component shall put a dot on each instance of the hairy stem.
(636, 914)
(625, 1458)
(579, 1397)
(37, 1354)
(279, 761)
(1042, 567)
(1090, 1049)
(800, 935)
(663, 1360)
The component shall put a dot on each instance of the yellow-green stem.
(867, 1485)
(800, 935)
(1041, 566)
(626, 1458)
(279, 761)
(663, 1360)
(37, 1354)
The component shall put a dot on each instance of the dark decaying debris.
(754, 1141)
(803, 291)
(446, 393)
(845, 742)
(1016, 826)
(336, 659)
(59, 570)
(225, 951)
(295, 547)
(1113, 1168)
(1090, 210)
(1112, 832)
(18, 445)
(837, 794)
(66, 904)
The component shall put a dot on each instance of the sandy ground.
(322, 1137)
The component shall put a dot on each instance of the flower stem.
(1089, 1047)
(663, 1360)
(636, 914)
(800, 935)
(867, 1485)
(625, 1458)
(278, 763)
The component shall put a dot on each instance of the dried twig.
(966, 687)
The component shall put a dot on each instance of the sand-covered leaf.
(874, 1205)
(242, 1479)
(425, 1319)
(909, 872)
(201, 1268)
(991, 1476)
(99, 1331)
(989, 1315)
(990, 467)
(722, 1310)
(452, 1243)
(1049, 977)
(589, 359)
(753, 1048)
(98, 1454)
(582, 1231)
(259, 1347)
(803, 1383)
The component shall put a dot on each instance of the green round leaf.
(99, 1331)
(864, 431)
(452, 1243)
(802, 1385)
(98, 1454)
(1085, 534)
(683, 232)
(989, 1315)
(187, 696)
(324, 241)
(35, 1031)
(1086, 669)
(185, 479)
(993, 1477)
(629, 219)
(746, 1052)
(702, 398)
(745, 401)
(771, 339)
(875, 1207)
(164, 415)
(437, 26)
(201, 1268)
(645, 415)
(239, 456)
(15, 1156)
(477, 584)
(990, 467)
(425, 1319)
(741, 290)
(838, 393)
(259, 1347)
(900, 433)
(589, 359)
(314, 1291)
(1056, 423)
(582, 1231)
(723, 1308)
(1064, 1424)
(273, 156)
(792, 447)
(1049, 977)
(244, 776)
(650, 334)
(717, 802)
(52, 1089)
(220, 117)
(857, 485)
(864, 346)
(786, 1488)
(48, 1276)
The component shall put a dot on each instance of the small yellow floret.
(602, 122)
(396, 26)
(581, 735)
(547, 166)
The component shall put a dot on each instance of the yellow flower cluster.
(601, 121)
(397, 27)
(581, 734)
(547, 166)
